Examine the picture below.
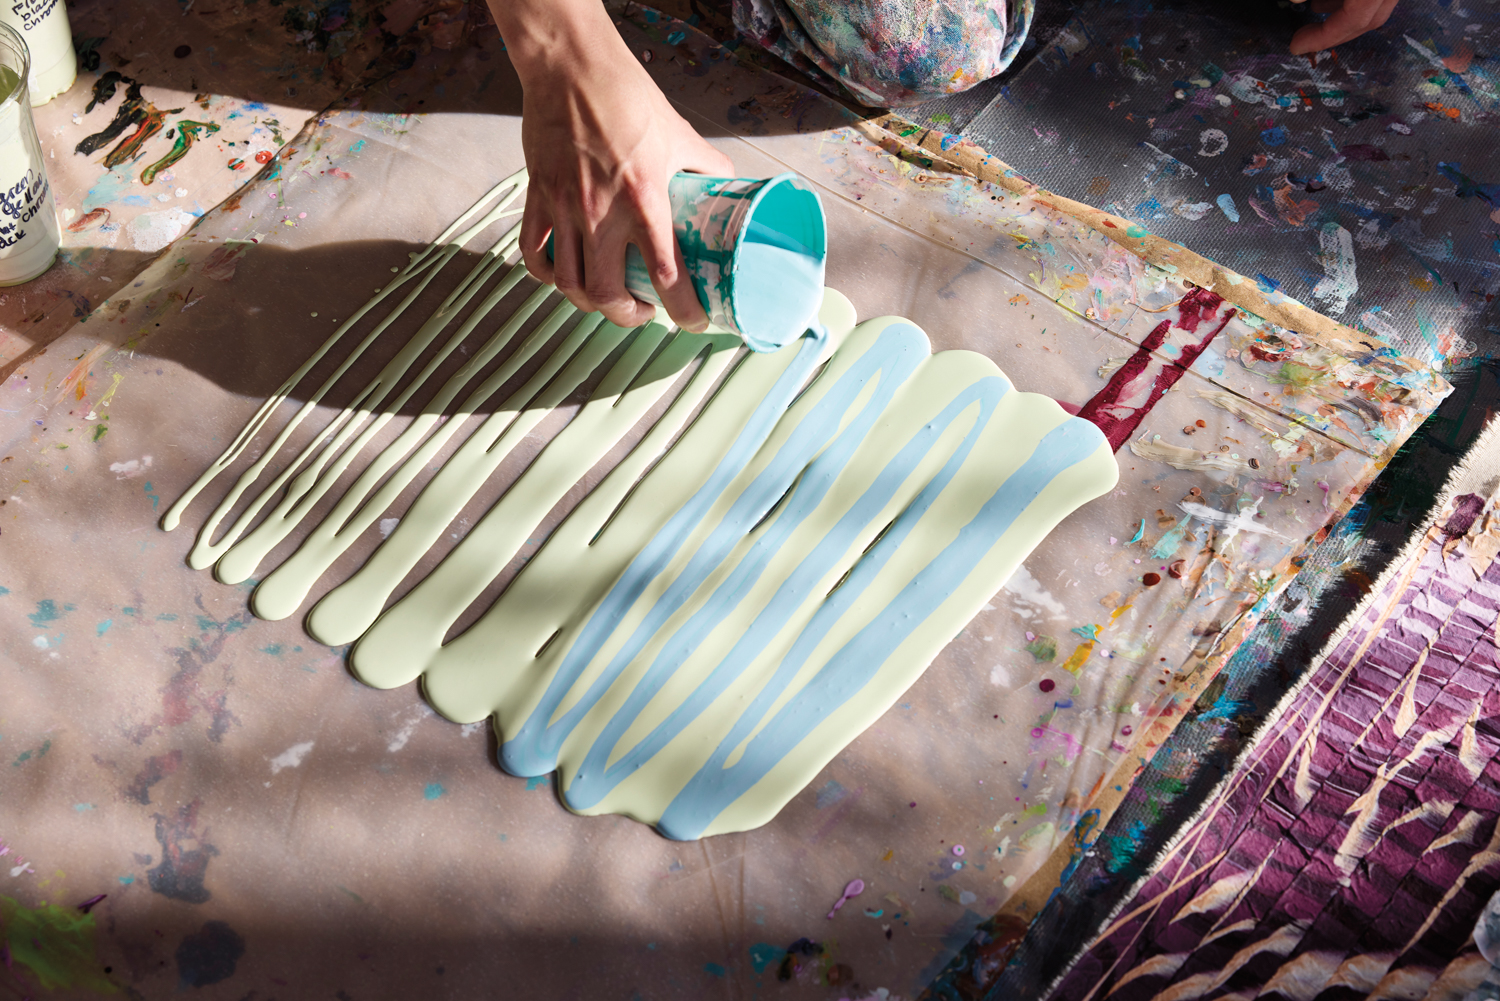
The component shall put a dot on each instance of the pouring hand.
(601, 142)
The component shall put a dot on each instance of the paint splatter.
(99, 216)
(1117, 421)
(32, 754)
(209, 955)
(187, 133)
(1226, 205)
(1339, 283)
(46, 611)
(134, 110)
(292, 757)
(53, 944)
(1364, 152)
(153, 771)
(1043, 648)
(433, 790)
(180, 873)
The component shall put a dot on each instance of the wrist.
(555, 40)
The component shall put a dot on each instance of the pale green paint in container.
(755, 249)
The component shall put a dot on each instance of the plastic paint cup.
(29, 232)
(44, 26)
(755, 250)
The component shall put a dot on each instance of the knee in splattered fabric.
(891, 52)
(904, 52)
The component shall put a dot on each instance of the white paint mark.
(387, 526)
(40, 642)
(418, 713)
(1233, 524)
(1339, 282)
(1000, 676)
(1028, 590)
(130, 468)
(470, 729)
(291, 757)
(1212, 142)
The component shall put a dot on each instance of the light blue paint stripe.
(592, 782)
(524, 754)
(715, 787)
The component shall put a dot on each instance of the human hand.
(1349, 20)
(601, 142)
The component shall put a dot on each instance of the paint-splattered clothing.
(890, 52)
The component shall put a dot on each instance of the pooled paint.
(884, 544)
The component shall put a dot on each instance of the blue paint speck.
(535, 781)
(103, 627)
(677, 38)
(46, 611)
(1274, 136)
(126, 880)
(1226, 205)
(715, 969)
(357, 146)
(433, 790)
(763, 954)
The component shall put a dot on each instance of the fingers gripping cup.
(29, 233)
(755, 250)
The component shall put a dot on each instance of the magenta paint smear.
(1117, 421)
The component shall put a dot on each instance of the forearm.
(547, 39)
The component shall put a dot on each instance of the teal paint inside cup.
(776, 273)
(754, 250)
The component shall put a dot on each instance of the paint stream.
(758, 580)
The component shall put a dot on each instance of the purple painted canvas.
(1356, 845)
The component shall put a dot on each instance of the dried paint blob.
(1046, 684)
(1151, 579)
(958, 850)
(264, 156)
(1127, 730)
(182, 51)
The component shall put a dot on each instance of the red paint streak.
(100, 216)
(1195, 307)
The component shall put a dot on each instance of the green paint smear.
(1043, 648)
(55, 944)
(187, 132)
(28, 755)
(1168, 543)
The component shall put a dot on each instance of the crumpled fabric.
(1487, 937)
(890, 52)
